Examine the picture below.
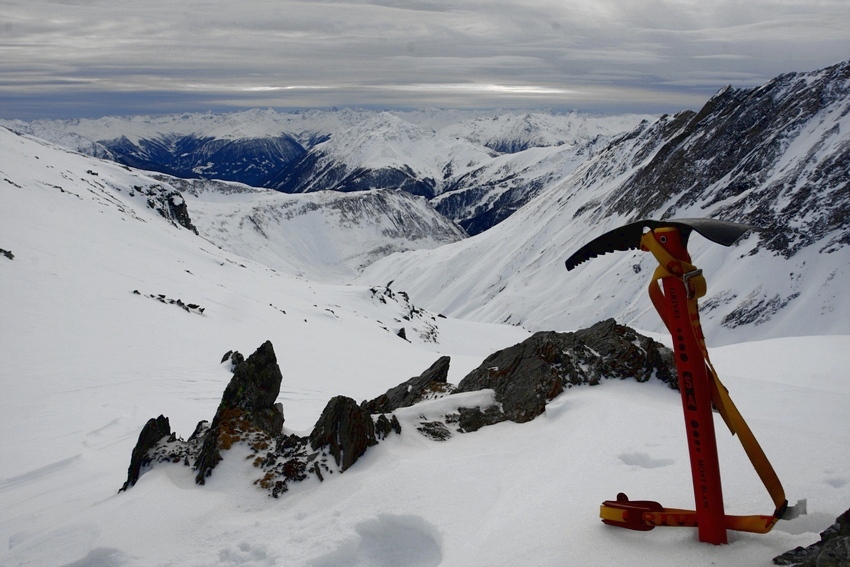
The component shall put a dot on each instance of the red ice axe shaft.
(696, 394)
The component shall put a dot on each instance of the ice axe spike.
(628, 237)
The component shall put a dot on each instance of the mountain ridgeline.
(777, 156)
(489, 162)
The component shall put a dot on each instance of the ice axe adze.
(683, 284)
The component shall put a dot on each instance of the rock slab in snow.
(526, 376)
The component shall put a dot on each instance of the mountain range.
(482, 165)
(776, 157)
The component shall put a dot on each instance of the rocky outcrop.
(169, 203)
(345, 430)
(249, 415)
(416, 389)
(833, 549)
(247, 408)
(153, 431)
(526, 376)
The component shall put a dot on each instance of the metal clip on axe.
(683, 284)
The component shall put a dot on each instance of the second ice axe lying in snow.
(682, 284)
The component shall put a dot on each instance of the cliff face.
(777, 156)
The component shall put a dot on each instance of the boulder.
(526, 376)
(345, 430)
(833, 549)
(152, 433)
(412, 391)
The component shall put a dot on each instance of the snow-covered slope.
(87, 361)
(775, 157)
(323, 235)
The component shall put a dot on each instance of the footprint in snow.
(388, 541)
(643, 460)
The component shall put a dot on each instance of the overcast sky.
(88, 58)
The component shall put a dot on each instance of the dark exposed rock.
(7, 253)
(412, 391)
(624, 353)
(345, 429)
(473, 419)
(384, 426)
(169, 203)
(249, 416)
(833, 549)
(153, 431)
(179, 211)
(247, 407)
(255, 384)
(527, 375)
(187, 307)
(436, 430)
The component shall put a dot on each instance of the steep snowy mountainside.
(775, 156)
(323, 235)
(54, 168)
(538, 150)
(248, 160)
(487, 195)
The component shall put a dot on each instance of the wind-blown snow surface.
(86, 362)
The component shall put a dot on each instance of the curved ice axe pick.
(683, 285)
(628, 237)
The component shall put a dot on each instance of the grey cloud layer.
(571, 53)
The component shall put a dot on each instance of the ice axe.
(683, 284)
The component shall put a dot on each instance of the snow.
(86, 362)
(324, 235)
